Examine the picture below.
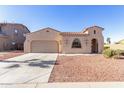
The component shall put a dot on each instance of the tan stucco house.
(12, 36)
(49, 40)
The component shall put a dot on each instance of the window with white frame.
(16, 31)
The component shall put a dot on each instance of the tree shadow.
(32, 60)
(26, 61)
(42, 64)
(13, 66)
(32, 63)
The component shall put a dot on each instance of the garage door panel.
(44, 47)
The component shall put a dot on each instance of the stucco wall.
(65, 41)
(3, 41)
(98, 36)
(67, 44)
(44, 34)
(86, 41)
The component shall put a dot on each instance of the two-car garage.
(44, 46)
(43, 41)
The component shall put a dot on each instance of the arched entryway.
(94, 46)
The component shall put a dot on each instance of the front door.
(94, 46)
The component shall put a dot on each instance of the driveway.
(27, 69)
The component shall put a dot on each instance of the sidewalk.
(67, 85)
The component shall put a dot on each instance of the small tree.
(108, 40)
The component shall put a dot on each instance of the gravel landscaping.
(10, 54)
(84, 68)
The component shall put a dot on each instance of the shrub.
(106, 47)
(108, 53)
(113, 53)
(118, 53)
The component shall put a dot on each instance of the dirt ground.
(10, 54)
(87, 68)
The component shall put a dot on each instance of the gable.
(92, 29)
(44, 34)
(95, 27)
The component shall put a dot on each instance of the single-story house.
(49, 40)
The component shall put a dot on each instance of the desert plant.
(118, 53)
(108, 53)
(106, 47)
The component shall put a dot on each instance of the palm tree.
(108, 40)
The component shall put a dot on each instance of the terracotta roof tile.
(92, 27)
(73, 33)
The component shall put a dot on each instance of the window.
(16, 31)
(94, 31)
(76, 43)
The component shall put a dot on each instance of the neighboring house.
(12, 36)
(49, 40)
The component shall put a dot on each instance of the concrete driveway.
(29, 68)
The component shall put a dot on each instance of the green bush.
(112, 53)
(118, 53)
(106, 47)
(108, 53)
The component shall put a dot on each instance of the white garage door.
(44, 47)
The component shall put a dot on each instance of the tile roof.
(92, 27)
(3, 24)
(73, 33)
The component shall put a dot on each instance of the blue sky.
(68, 18)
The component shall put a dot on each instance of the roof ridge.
(15, 24)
